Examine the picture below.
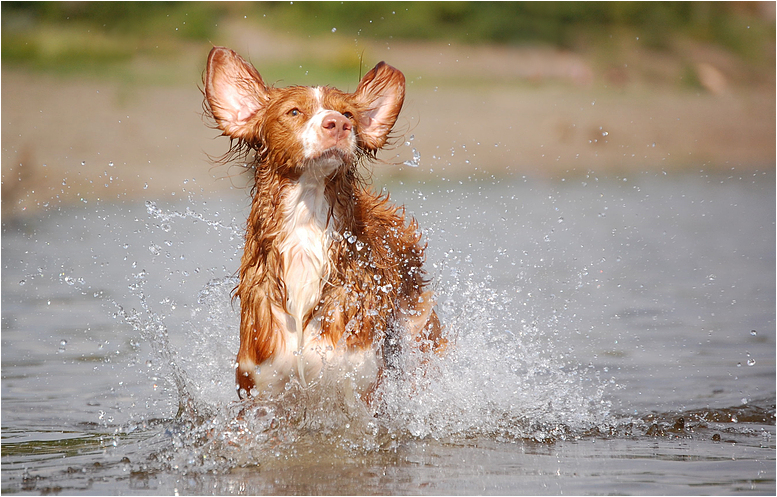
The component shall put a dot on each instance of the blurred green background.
(547, 89)
(98, 37)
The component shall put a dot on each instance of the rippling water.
(610, 335)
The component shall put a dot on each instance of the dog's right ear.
(235, 93)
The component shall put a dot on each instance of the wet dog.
(331, 275)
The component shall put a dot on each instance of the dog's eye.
(348, 115)
(294, 112)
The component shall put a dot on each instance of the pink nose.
(336, 125)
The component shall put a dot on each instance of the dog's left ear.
(381, 92)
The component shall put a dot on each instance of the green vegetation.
(563, 24)
(83, 36)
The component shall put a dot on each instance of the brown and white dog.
(330, 270)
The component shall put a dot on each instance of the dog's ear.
(381, 93)
(235, 93)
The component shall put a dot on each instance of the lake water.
(610, 335)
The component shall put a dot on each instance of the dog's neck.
(294, 219)
(305, 239)
(290, 212)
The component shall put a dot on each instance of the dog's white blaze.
(311, 133)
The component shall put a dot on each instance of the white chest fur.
(305, 249)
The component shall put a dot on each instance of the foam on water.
(500, 377)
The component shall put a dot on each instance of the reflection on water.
(628, 319)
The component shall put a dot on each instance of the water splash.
(497, 379)
(500, 377)
(167, 216)
(153, 330)
(416, 160)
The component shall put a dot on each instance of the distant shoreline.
(79, 137)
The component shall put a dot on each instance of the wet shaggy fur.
(330, 270)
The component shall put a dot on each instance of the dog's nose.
(336, 124)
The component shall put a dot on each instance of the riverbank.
(498, 110)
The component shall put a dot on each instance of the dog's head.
(302, 127)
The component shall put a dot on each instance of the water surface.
(611, 335)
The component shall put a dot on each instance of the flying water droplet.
(415, 161)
